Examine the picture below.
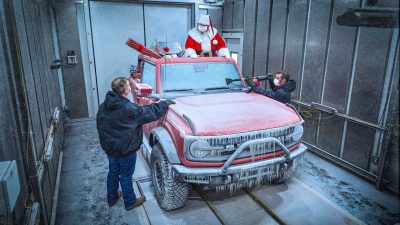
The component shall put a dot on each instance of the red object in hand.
(141, 48)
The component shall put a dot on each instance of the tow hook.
(284, 167)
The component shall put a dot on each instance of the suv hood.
(227, 113)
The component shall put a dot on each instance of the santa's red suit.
(208, 41)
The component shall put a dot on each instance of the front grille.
(253, 150)
(238, 139)
(225, 145)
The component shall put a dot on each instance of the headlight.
(199, 149)
(298, 132)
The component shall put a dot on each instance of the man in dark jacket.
(281, 87)
(119, 124)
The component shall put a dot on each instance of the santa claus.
(205, 40)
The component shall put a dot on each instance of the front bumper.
(234, 173)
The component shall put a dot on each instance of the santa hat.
(206, 20)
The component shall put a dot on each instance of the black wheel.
(169, 191)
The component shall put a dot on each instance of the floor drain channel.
(138, 182)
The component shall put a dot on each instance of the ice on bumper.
(249, 146)
(245, 174)
(220, 148)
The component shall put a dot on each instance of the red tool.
(142, 49)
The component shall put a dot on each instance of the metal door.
(167, 23)
(112, 24)
(234, 42)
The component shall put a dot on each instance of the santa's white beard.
(206, 46)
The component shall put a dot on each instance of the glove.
(193, 56)
(270, 76)
(249, 81)
(169, 102)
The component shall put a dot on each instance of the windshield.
(200, 76)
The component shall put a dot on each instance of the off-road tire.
(169, 191)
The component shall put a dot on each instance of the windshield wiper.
(182, 89)
(229, 88)
(217, 88)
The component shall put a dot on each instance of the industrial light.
(384, 18)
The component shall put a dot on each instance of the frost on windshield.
(198, 76)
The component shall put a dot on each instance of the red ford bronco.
(218, 134)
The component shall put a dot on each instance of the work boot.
(111, 204)
(138, 202)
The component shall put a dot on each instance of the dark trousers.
(120, 172)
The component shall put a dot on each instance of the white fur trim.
(215, 42)
(206, 46)
(189, 52)
(224, 52)
(199, 37)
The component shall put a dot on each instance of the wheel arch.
(160, 135)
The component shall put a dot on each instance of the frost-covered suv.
(217, 135)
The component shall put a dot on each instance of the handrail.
(344, 116)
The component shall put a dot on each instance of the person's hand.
(249, 81)
(169, 102)
(193, 56)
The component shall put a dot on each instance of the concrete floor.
(320, 194)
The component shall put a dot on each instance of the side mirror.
(143, 90)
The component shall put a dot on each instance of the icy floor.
(349, 192)
(82, 195)
(320, 194)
